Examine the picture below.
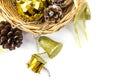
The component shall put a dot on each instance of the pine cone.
(58, 2)
(62, 3)
(10, 38)
(53, 14)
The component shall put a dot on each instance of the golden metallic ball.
(31, 10)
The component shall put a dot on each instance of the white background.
(98, 59)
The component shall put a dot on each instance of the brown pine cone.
(53, 14)
(10, 38)
(58, 2)
(63, 3)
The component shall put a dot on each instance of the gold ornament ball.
(31, 10)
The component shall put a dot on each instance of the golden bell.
(36, 63)
(51, 47)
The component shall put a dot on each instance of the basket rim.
(35, 28)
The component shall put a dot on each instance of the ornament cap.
(36, 63)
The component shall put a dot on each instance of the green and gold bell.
(51, 47)
(36, 63)
(31, 9)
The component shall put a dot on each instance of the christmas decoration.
(53, 14)
(40, 17)
(10, 38)
(36, 63)
(51, 47)
(31, 9)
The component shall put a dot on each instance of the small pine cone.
(53, 14)
(10, 38)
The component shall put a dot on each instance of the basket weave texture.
(9, 12)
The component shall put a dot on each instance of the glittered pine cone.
(10, 38)
(53, 14)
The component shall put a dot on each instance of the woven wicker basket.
(9, 12)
